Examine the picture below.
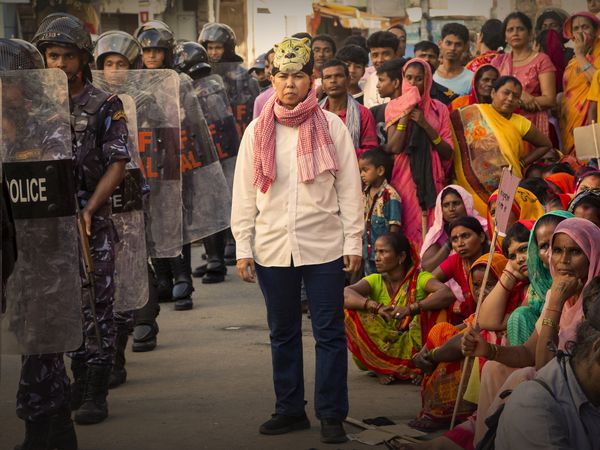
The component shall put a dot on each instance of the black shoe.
(79, 369)
(332, 431)
(36, 436)
(118, 376)
(144, 337)
(199, 271)
(62, 432)
(212, 278)
(279, 424)
(94, 408)
(184, 304)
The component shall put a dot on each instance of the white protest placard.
(506, 195)
(586, 141)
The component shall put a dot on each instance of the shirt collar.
(381, 188)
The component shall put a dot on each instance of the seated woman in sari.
(452, 203)
(490, 137)
(574, 261)
(582, 29)
(481, 88)
(534, 70)
(586, 205)
(382, 311)
(469, 242)
(522, 321)
(440, 358)
(420, 135)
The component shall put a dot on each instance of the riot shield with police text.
(212, 94)
(131, 256)
(43, 311)
(156, 97)
(206, 195)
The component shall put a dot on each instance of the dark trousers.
(325, 287)
(43, 387)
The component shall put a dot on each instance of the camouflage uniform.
(93, 153)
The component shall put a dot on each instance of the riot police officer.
(173, 274)
(100, 155)
(242, 89)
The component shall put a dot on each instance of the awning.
(350, 17)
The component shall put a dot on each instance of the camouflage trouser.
(124, 322)
(43, 387)
(102, 248)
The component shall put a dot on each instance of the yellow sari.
(575, 103)
(484, 143)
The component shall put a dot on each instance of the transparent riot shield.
(206, 195)
(156, 97)
(131, 255)
(43, 311)
(223, 128)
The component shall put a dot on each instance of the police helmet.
(191, 58)
(218, 32)
(16, 54)
(155, 34)
(121, 43)
(63, 29)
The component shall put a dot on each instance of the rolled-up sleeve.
(243, 205)
(348, 189)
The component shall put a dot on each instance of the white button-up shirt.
(307, 223)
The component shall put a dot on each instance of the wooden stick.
(467, 361)
(595, 141)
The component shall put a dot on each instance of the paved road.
(208, 384)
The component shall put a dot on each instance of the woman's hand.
(564, 286)
(512, 268)
(472, 344)
(423, 361)
(400, 312)
(528, 102)
(583, 43)
(416, 115)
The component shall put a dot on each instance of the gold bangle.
(550, 323)
(401, 126)
(437, 140)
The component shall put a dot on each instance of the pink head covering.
(567, 31)
(587, 237)
(425, 104)
(436, 234)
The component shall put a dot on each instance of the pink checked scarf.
(315, 152)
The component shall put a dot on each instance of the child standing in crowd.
(382, 202)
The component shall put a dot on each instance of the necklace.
(523, 59)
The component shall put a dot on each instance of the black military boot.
(79, 369)
(94, 408)
(146, 327)
(36, 436)
(183, 287)
(118, 376)
(62, 432)
(164, 278)
(215, 249)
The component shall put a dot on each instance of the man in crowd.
(389, 85)
(323, 48)
(298, 158)
(357, 60)
(399, 31)
(258, 71)
(489, 42)
(383, 46)
(451, 73)
(358, 119)
(430, 52)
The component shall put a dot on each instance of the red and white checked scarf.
(315, 152)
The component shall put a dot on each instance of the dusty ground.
(207, 387)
